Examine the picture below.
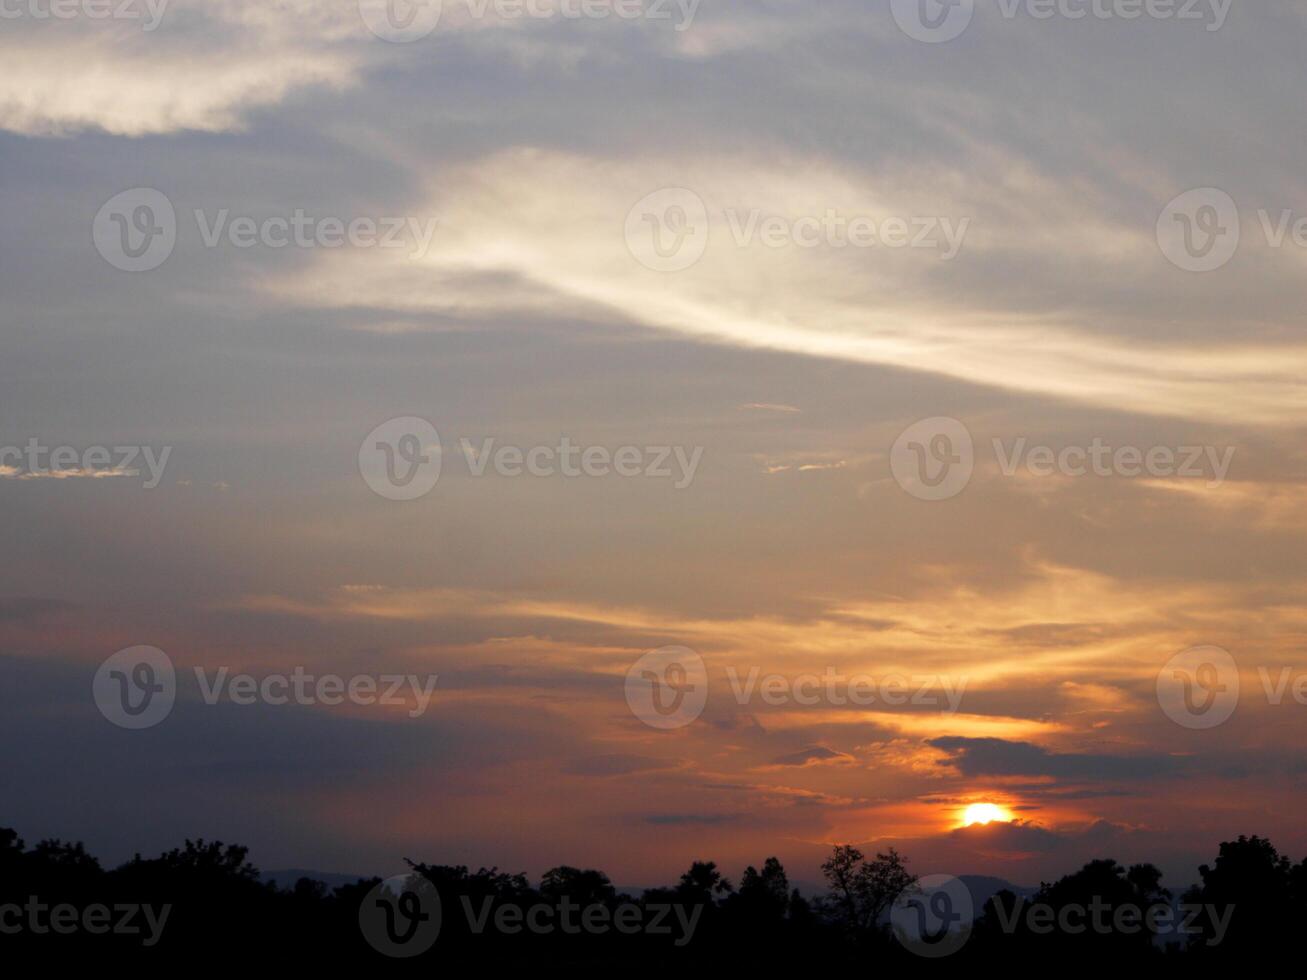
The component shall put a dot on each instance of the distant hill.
(286, 878)
(983, 888)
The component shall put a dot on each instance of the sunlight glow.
(984, 813)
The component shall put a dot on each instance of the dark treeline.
(205, 903)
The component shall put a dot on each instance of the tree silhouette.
(765, 894)
(223, 911)
(582, 887)
(862, 891)
(1263, 886)
(702, 882)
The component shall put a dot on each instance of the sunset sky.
(1048, 147)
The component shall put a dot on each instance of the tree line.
(205, 902)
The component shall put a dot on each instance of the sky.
(947, 353)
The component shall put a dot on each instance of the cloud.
(1016, 836)
(122, 74)
(556, 243)
(77, 473)
(114, 75)
(998, 757)
(816, 755)
(1058, 318)
(768, 407)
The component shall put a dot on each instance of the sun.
(984, 813)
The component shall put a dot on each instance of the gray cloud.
(998, 757)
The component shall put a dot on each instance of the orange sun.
(985, 813)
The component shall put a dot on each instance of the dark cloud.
(999, 757)
(1016, 836)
